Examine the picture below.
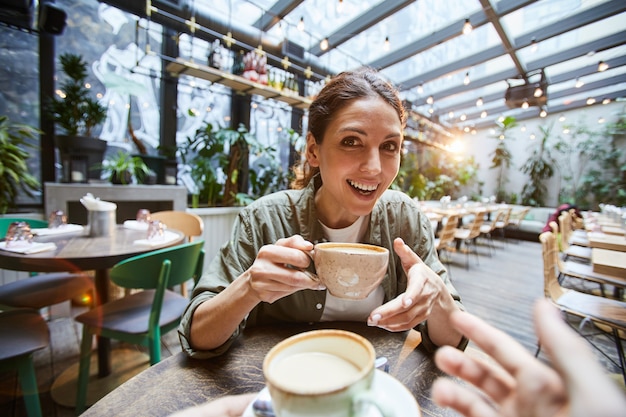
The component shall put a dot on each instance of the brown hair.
(338, 93)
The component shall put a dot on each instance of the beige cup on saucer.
(350, 270)
(322, 373)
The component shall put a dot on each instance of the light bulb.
(538, 92)
(590, 101)
(340, 6)
(386, 45)
(420, 89)
(543, 113)
(533, 46)
(466, 80)
(525, 104)
(579, 83)
(602, 66)
(463, 117)
(301, 24)
(324, 44)
(467, 27)
(430, 100)
(606, 101)
(483, 114)
(479, 102)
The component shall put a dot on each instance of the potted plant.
(222, 170)
(501, 157)
(122, 168)
(77, 114)
(14, 174)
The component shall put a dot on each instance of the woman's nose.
(372, 163)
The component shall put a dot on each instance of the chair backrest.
(551, 287)
(175, 265)
(190, 224)
(5, 222)
(517, 217)
(506, 216)
(565, 228)
(478, 221)
(446, 234)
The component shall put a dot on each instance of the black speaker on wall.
(52, 19)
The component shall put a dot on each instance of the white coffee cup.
(350, 270)
(322, 373)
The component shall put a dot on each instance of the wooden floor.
(500, 289)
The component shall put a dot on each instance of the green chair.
(142, 317)
(42, 290)
(23, 332)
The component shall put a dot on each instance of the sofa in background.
(530, 227)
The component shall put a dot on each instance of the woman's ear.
(312, 150)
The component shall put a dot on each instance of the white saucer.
(400, 399)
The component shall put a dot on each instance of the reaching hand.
(516, 384)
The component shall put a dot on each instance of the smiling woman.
(352, 155)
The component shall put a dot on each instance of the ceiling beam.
(361, 23)
(275, 14)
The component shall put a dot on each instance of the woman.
(353, 149)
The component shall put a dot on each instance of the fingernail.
(374, 320)
(407, 302)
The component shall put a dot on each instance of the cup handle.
(366, 399)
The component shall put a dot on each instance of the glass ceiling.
(420, 47)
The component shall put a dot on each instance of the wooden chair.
(142, 317)
(468, 236)
(601, 311)
(445, 238)
(23, 332)
(488, 228)
(43, 290)
(579, 253)
(585, 272)
(190, 224)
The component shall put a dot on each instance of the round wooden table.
(77, 251)
(179, 382)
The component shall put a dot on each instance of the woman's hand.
(278, 269)
(426, 297)
(228, 406)
(516, 383)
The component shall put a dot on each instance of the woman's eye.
(390, 146)
(349, 142)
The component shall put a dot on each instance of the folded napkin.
(158, 241)
(95, 204)
(135, 225)
(66, 228)
(34, 247)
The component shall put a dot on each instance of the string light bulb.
(543, 112)
(538, 92)
(467, 27)
(340, 6)
(324, 44)
(466, 80)
(479, 102)
(420, 89)
(606, 101)
(579, 83)
(430, 100)
(533, 46)
(483, 114)
(590, 101)
(301, 24)
(386, 46)
(602, 66)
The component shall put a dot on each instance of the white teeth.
(363, 187)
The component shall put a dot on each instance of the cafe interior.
(515, 108)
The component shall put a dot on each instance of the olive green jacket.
(291, 212)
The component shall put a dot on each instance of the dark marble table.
(179, 382)
(77, 251)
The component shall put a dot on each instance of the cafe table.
(607, 241)
(609, 262)
(179, 382)
(77, 251)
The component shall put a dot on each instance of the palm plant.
(15, 139)
(501, 156)
(539, 167)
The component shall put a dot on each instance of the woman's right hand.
(279, 269)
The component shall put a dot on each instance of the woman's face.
(358, 159)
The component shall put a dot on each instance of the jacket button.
(318, 306)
